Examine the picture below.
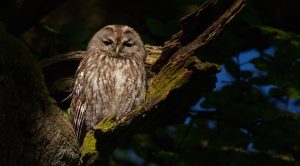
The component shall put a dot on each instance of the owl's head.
(119, 41)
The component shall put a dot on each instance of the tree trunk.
(33, 129)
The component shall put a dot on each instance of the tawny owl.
(111, 78)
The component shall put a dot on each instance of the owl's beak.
(119, 48)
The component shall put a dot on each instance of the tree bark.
(33, 129)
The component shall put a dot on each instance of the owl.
(111, 78)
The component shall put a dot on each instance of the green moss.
(167, 80)
(89, 144)
(67, 112)
(107, 124)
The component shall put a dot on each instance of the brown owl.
(111, 78)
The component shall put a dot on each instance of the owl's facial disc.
(118, 41)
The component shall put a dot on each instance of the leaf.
(66, 112)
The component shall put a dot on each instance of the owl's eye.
(128, 44)
(107, 42)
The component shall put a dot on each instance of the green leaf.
(66, 112)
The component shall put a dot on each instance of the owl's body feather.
(109, 81)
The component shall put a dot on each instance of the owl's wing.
(78, 104)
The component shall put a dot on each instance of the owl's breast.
(120, 78)
(116, 89)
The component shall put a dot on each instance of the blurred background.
(252, 116)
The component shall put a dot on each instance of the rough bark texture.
(33, 129)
